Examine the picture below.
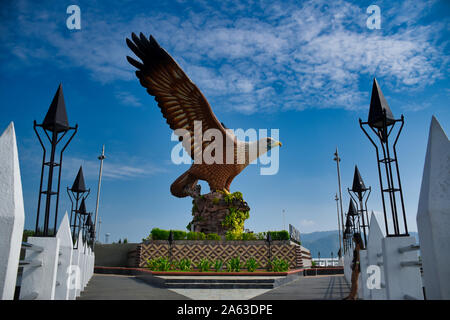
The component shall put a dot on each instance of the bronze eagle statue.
(182, 104)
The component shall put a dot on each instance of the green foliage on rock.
(235, 219)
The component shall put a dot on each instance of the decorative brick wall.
(224, 250)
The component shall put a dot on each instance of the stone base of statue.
(210, 211)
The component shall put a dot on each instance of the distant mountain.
(326, 242)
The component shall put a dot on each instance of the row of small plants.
(160, 234)
(204, 265)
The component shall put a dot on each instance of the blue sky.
(303, 67)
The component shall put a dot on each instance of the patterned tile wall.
(220, 250)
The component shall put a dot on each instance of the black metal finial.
(360, 195)
(79, 184)
(358, 183)
(56, 117)
(379, 108)
(352, 210)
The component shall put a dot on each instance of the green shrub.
(160, 264)
(234, 264)
(279, 265)
(278, 235)
(249, 236)
(233, 236)
(185, 265)
(251, 264)
(204, 265)
(196, 236)
(218, 265)
(179, 235)
(159, 234)
(213, 236)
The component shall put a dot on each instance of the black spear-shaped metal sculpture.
(55, 126)
(381, 122)
(77, 193)
(360, 194)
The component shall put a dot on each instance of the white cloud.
(118, 169)
(128, 99)
(290, 56)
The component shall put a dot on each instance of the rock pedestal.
(209, 211)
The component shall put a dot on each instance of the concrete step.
(215, 282)
(219, 285)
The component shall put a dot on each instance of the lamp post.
(339, 220)
(101, 158)
(269, 242)
(55, 126)
(360, 194)
(338, 160)
(170, 245)
(381, 122)
(77, 193)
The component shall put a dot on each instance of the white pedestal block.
(75, 277)
(402, 282)
(364, 292)
(375, 257)
(12, 215)
(65, 260)
(433, 215)
(40, 280)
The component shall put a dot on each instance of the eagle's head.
(266, 144)
(272, 143)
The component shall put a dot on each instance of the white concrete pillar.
(84, 268)
(75, 281)
(375, 259)
(403, 280)
(65, 260)
(363, 290)
(39, 277)
(433, 215)
(348, 258)
(77, 264)
(12, 215)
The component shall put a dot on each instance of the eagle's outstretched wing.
(180, 100)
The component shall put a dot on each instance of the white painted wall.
(433, 215)
(65, 259)
(401, 282)
(12, 215)
(41, 279)
(374, 249)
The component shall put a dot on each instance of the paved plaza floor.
(118, 287)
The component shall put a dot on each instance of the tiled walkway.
(104, 287)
